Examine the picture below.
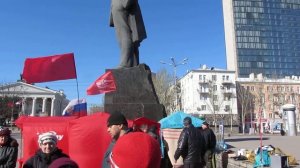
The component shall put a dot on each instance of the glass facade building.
(262, 36)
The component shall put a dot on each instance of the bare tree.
(215, 101)
(96, 108)
(8, 99)
(245, 101)
(277, 98)
(232, 98)
(162, 81)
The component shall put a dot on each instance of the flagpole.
(77, 93)
(76, 83)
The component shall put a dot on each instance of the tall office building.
(262, 36)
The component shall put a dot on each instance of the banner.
(89, 140)
(51, 68)
(104, 84)
(84, 139)
(33, 126)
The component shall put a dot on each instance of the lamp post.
(175, 64)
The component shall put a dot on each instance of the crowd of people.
(195, 145)
(130, 147)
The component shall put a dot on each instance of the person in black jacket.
(8, 149)
(210, 143)
(189, 145)
(117, 126)
(47, 153)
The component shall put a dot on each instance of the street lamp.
(175, 64)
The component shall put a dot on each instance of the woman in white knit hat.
(47, 152)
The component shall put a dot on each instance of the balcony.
(203, 81)
(228, 91)
(227, 81)
(203, 91)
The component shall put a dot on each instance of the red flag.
(104, 84)
(51, 68)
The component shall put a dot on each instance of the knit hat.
(63, 162)
(4, 131)
(47, 137)
(116, 118)
(136, 150)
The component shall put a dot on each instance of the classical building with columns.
(35, 100)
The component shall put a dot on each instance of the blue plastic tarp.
(175, 120)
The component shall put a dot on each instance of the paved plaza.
(288, 144)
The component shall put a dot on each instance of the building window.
(228, 87)
(214, 77)
(227, 98)
(215, 88)
(227, 108)
(216, 108)
(203, 107)
(215, 97)
(203, 97)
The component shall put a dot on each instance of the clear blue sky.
(175, 28)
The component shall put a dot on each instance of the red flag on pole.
(104, 84)
(51, 68)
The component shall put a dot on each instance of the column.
(52, 107)
(33, 106)
(44, 105)
(24, 105)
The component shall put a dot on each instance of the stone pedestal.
(135, 96)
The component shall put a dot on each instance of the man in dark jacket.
(210, 143)
(47, 153)
(117, 126)
(189, 145)
(8, 149)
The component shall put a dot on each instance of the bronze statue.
(127, 19)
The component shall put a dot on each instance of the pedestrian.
(47, 152)
(117, 126)
(144, 128)
(210, 143)
(152, 131)
(64, 162)
(126, 17)
(8, 149)
(189, 145)
(136, 150)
